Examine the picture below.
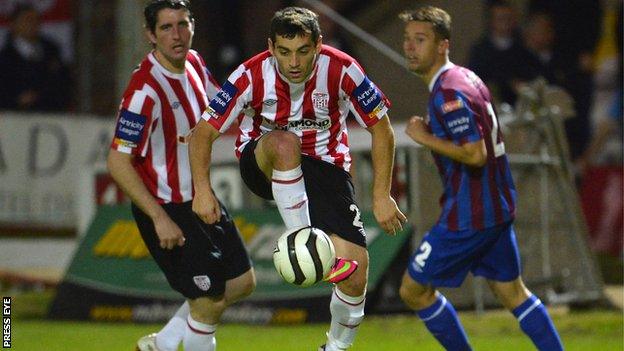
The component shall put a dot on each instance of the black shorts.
(330, 192)
(211, 254)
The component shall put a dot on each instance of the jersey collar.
(442, 69)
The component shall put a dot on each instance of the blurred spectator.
(605, 128)
(491, 56)
(537, 57)
(577, 27)
(602, 186)
(33, 75)
(611, 124)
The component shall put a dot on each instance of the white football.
(304, 256)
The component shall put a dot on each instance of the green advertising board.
(114, 277)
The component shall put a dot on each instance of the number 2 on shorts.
(425, 249)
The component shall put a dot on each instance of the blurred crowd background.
(74, 57)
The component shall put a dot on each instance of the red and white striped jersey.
(261, 99)
(157, 113)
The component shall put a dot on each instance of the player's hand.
(416, 129)
(388, 215)
(169, 234)
(206, 206)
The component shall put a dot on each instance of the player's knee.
(407, 296)
(284, 146)
(247, 288)
(416, 299)
(510, 294)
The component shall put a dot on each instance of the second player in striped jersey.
(207, 264)
(291, 104)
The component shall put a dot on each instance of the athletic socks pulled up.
(171, 335)
(347, 312)
(199, 336)
(535, 322)
(290, 197)
(442, 321)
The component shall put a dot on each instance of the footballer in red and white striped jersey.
(157, 107)
(261, 99)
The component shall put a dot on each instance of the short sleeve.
(457, 117)
(134, 120)
(368, 102)
(229, 101)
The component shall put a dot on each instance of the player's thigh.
(444, 258)
(331, 197)
(226, 236)
(501, 261)
(256, 179)
(262, 156)
(240, 287)
(194, 269)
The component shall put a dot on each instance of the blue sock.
(441, 320)
(535, 322)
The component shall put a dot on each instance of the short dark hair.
(440, 20)
(154, 6)
(295, 21)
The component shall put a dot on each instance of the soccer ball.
(303, 256)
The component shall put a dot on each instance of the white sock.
(291, 198)
(347, 313)
(199, 336)
(170, 336)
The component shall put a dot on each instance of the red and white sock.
(199, 336)
(290, 197)
(171, 335)
(347, 312)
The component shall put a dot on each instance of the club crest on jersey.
(202, 282)
(320, 100)
(184, 138)
(452, 105)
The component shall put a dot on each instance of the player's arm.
(222, 111)
(385, 209)
(205, 203)
(121, 169)
(473, 154)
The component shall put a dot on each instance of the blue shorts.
(445, 257)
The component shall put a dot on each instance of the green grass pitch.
(597, 330)
(493, 330)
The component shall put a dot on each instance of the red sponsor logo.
(452, 106)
